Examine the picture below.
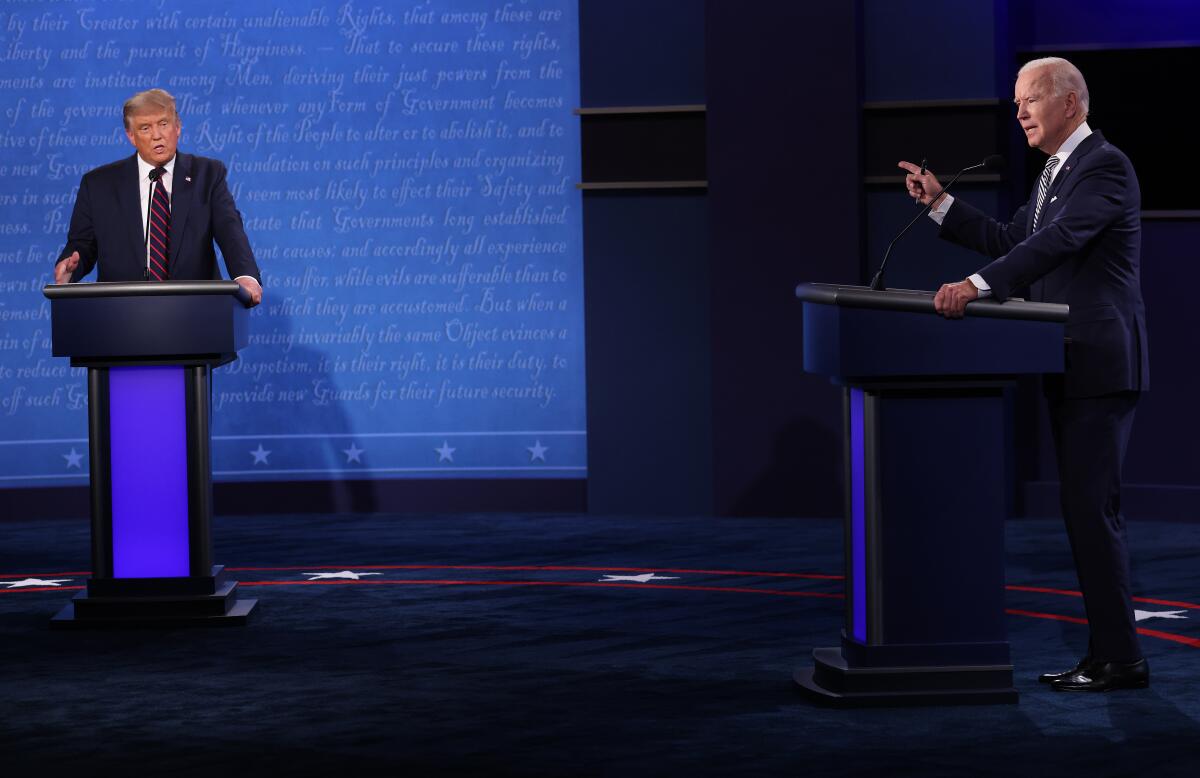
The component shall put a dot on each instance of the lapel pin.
(1052, 199)
(188, 179)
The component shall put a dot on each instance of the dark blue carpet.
(442, 665)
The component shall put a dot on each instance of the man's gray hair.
(1064, 77)
(151, 99)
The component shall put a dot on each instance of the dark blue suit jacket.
(106, 225)
(1086, 253)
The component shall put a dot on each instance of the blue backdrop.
(407, 177)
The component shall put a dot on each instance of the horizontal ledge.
(980, 178)
(900, 105)
(95, 289)
(921, 301)
(643, 185)
(630, 109)
(1172, 215)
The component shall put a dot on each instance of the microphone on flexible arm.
(154, 175)
(993, 163)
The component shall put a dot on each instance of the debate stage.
(561, 645)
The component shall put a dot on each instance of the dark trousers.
(1090, 437)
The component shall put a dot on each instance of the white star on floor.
(73, 458)
(445, 453)
(34, 582)
(343, 574)
(643, 578)
(1143, 615)
(260, 455)
(353, 453)
(537, 451)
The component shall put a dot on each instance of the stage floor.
(561, 645)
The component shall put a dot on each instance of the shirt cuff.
(939, 213)
(981, 285)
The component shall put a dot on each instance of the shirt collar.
(145, 167)
(1072, 142)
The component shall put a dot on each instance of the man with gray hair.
(1077, 241)
(155, 215)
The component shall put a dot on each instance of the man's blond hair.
(149, 100)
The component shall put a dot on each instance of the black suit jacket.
(106, 225)
(1086, 253)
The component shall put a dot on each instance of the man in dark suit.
(1077, 241)
(134, 233)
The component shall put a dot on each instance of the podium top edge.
(145, 289)
(920, 301)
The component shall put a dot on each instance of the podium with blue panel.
(928, 422)
(149, 350)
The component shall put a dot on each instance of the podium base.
(234, 617)
(830, 681)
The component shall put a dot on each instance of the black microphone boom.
(993, 163)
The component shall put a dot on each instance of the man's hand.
(921, 186)
(250, 285)
(65, 267)
(951, 300)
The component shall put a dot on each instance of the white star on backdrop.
(353, 453)
(643, 578)
(445, 453)
(1143, 615)
(537, 451)
(73, 458)
(35, 582)
(343, 574)
(260, 455)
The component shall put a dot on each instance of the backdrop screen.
(407, 177)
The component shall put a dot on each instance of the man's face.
(155, 135)
(1046, 119)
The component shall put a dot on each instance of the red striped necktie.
(160, 228)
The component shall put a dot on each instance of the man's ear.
(1072, 101)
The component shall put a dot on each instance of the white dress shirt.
(1069, 145)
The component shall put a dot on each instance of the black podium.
(928, 419)
(150, 349)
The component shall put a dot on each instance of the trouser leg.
(1091, 435)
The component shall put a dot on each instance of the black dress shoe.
(1084, 664)
(1106, 676)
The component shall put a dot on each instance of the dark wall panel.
(647, 292)
(785, 191)
(641, 52)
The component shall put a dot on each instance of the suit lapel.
(181, 202)
(1085, 146)
(129, 207)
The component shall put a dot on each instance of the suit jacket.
(1086, 253)
(106, 225)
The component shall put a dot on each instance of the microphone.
(993, 163)
(154, 175)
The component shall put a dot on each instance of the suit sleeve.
(967, 226)
(81, 234)
(1096, 202)
(230, 232)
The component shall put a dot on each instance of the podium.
(927, 417)
(149, 350)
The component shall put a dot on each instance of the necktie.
(160, 229)
(1043, 187)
